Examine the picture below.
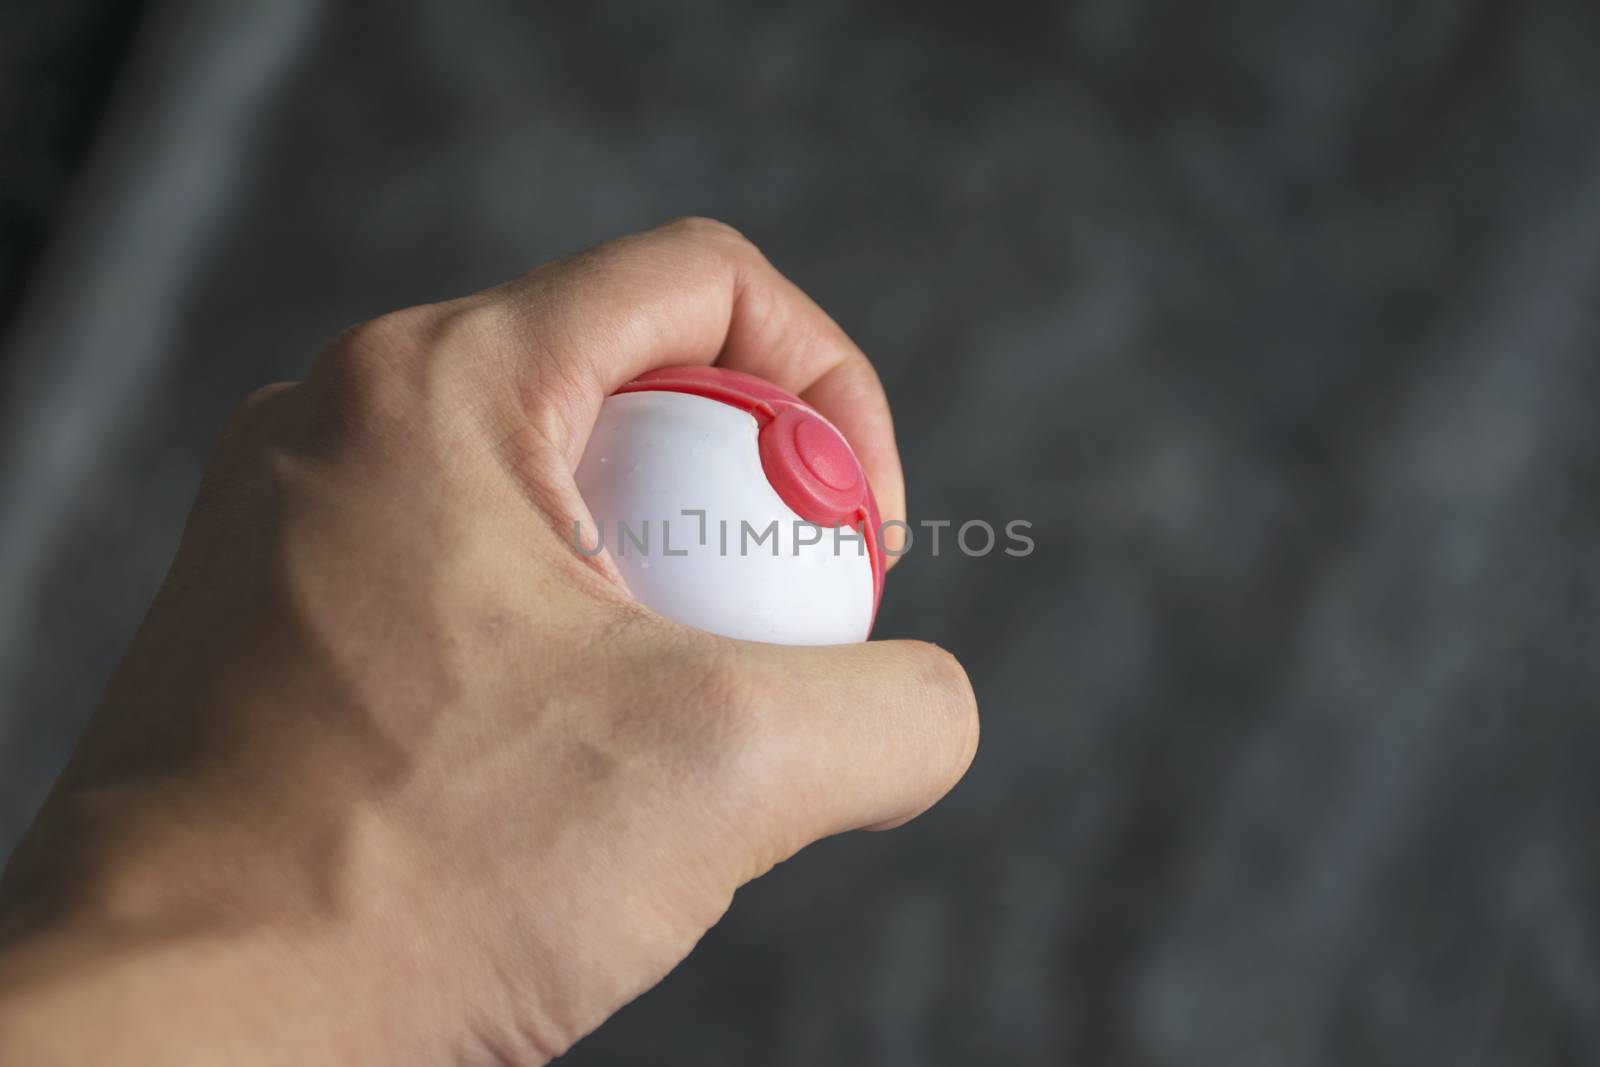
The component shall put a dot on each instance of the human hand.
(390, 773)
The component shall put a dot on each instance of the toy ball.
(731, 505)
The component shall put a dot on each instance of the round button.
(825, 454)
(811, 466)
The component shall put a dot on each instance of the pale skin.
(390, 774)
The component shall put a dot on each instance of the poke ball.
(731, 505)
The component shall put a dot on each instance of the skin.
(390, 774)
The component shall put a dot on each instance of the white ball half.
(655, 455)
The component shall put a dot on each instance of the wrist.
(86, 993)
(175, 945)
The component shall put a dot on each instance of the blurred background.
(1281, 323)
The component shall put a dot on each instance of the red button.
(810, 466)
(825, 454)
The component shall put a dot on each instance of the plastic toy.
(729, 504)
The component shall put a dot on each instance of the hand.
(391, 774)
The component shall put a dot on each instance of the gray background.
(1279, 321)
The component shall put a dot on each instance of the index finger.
(693, 291)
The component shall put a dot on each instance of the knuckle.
(254, 408)
(363, 369)
(732, 739)
(727, 699)
(259, 397)
(379, 373)
(254, 430)
(711, 231)
(704, 716)
(389, 336)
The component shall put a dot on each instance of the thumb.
(861, 736)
